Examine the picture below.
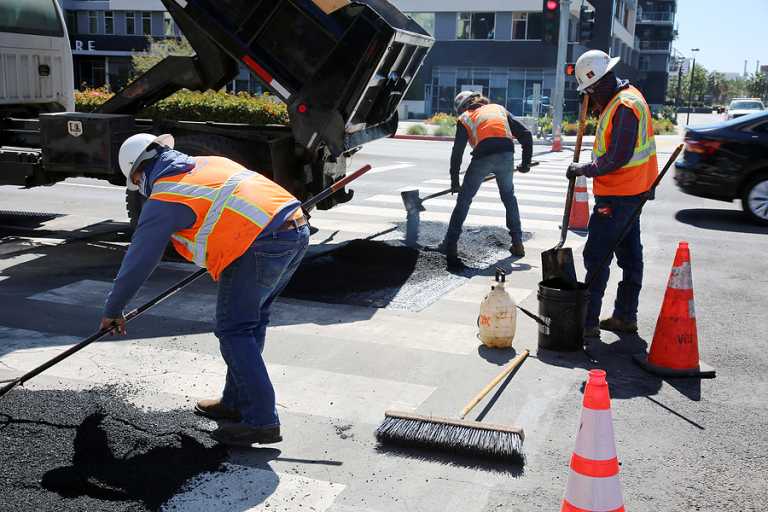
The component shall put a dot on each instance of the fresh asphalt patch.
(91, 450)
(392, 274)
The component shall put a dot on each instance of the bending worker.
(623, 171)
(490, 130)
(248, 232)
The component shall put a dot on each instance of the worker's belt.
(292, 224)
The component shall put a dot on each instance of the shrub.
(185, 105)
(442, 119)
(417, 129)
(445, 130)
(663, 127)
(571, 128)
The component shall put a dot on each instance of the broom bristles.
(470, 438)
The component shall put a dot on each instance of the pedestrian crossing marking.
(301, 390)
(477, 205)
(253, 490)
(554, 197)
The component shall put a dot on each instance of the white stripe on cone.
(594, 494)
(595, 437)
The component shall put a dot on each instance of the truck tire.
(754, 199)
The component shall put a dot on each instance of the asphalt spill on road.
(91, 450)
(393, 274)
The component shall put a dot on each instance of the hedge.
(216, 106)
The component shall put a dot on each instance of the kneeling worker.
(248, 232)
(490, 130)
(624, 169)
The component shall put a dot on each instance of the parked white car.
(744, 106)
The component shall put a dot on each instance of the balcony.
(653, 46)
(656, 17)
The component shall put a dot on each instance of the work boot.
(517, 249)
(214, 409)
(592, 332)
(454, 263)
(240, 434)
(618, 325)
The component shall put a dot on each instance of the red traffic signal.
(551, 5)
(570, 69)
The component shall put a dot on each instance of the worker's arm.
(459, 145)
(621, 147)
(524, 137)
(158, 221)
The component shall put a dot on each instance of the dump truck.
(341, 67)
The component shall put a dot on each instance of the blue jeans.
(247, 289)
(502, 164)
(609, 217)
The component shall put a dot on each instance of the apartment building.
(654, 34)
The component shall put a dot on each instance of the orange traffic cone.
(675, 347)
(579, 219)
(557, 144)
(593, 483)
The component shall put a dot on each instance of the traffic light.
(570, 69)
(586, 24)
(551, 14)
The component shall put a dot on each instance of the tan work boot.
(240, 434)
(517, 249)
(618, 325)
(214, 409)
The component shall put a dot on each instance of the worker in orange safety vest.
(248, 232)
(623, 170)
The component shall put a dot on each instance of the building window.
(475, 25)
(519, 25)
(109, 22)
(72, 22)
(168, 26)
(130, 23)
(146, 23)
(535, 30)
(93, 22)
(425, 19)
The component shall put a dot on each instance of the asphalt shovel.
(557, 263)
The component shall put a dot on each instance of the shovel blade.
(558, 264)
(412, 201)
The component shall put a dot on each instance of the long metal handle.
(448, 190)
(487, 389)
(635, 214)
(572, 181)
(163, 296)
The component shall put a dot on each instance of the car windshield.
(742, 120)
(746, 105)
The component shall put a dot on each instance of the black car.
(728, 161)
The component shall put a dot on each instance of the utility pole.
(679, 85)
(690, 86)
(559, 92)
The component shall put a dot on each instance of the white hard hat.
(592, 66)
(134, 151)
(462, 98)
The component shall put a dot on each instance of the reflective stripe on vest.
(636, 176)
(232, 207)
(488, 121)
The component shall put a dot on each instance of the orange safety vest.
(486, 122)
(232, 207)
(638, 174)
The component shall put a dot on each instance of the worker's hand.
(118, 325)
(576, 170)
(455, 185)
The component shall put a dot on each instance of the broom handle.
(487, 389)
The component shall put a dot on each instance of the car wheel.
(754, 201)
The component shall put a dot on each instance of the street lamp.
(690, 87)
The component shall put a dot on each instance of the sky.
(726, 33)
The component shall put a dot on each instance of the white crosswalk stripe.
(555, 198)
(476, 205)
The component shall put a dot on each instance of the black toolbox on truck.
(341, 74)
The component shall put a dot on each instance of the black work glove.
(455, 185)
(576, 170)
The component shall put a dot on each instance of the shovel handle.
(572, 181)
(487, 389)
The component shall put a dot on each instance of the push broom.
(460, 436)
(306, 206)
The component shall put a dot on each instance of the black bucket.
(564, 310)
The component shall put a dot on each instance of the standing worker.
(248, 232)
(490, 130)
(624, 169)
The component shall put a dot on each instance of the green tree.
(757, 86)
(158, 50)
(700, 85)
